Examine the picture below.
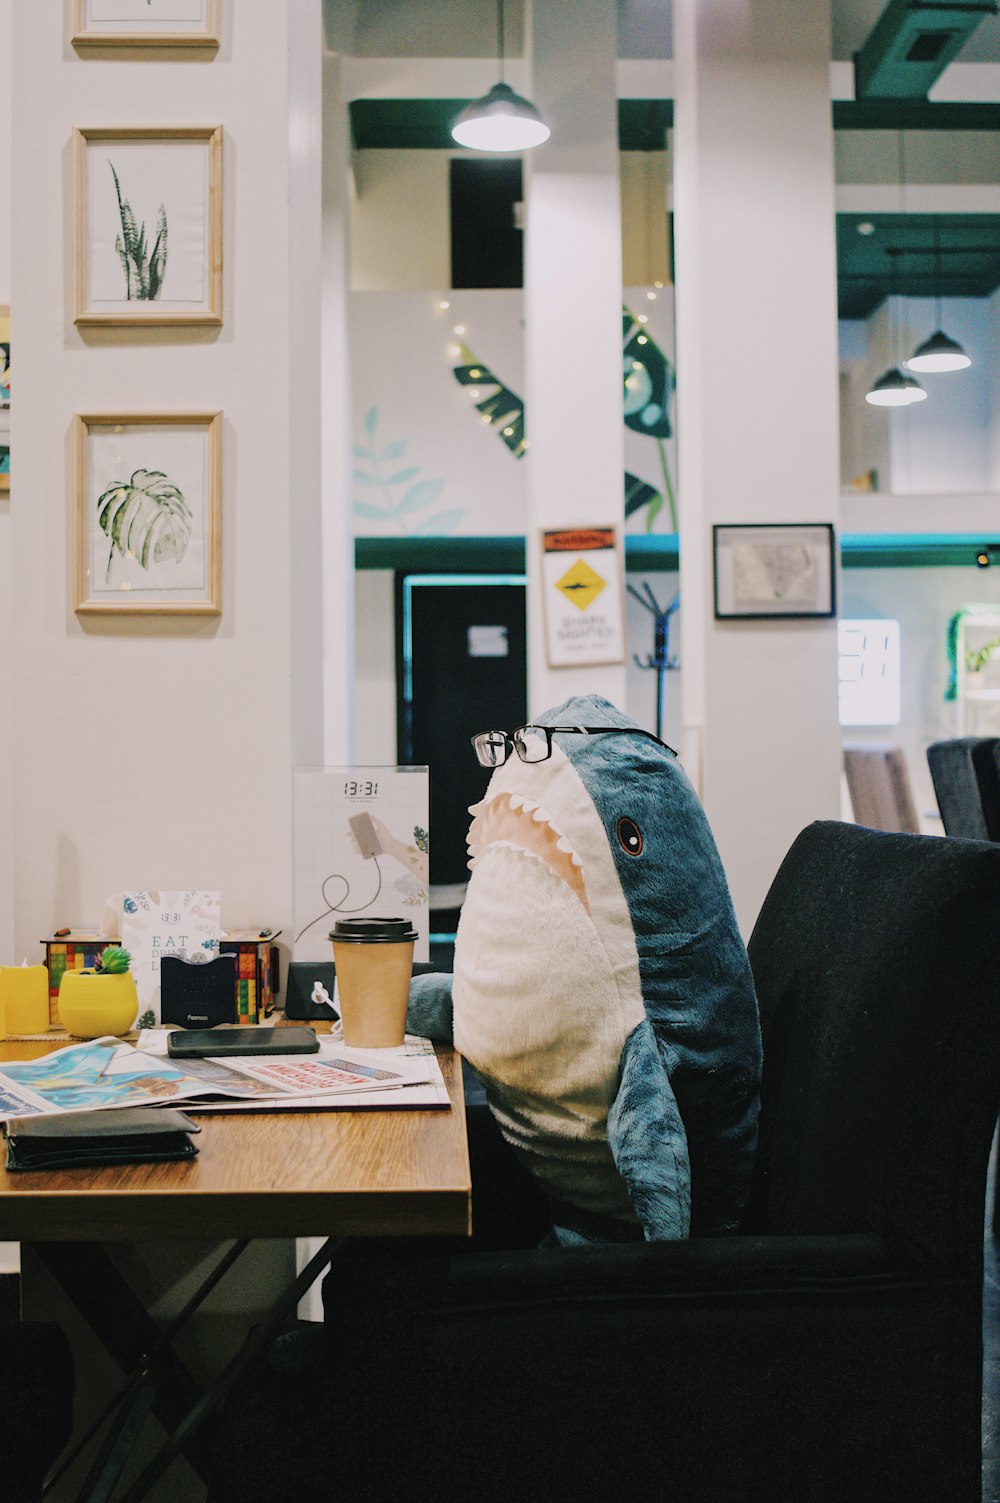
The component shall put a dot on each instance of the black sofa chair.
(966, 781)
(831, 1351)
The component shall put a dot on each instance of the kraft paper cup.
(374, 961)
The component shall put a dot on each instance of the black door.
(462, 668)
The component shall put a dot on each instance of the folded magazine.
(107, 1072)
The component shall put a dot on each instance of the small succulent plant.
(112, 961)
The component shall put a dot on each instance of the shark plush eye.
(630, 837)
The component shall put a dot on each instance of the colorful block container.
(256, 968)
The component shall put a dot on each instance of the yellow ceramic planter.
(92, 1005)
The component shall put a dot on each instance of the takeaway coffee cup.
(374, 959)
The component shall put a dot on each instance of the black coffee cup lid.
(373, 931)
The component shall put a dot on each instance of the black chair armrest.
(668, 1270)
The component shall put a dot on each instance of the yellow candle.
(24, 998)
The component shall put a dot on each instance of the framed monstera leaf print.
(148, 513)
(147, 225)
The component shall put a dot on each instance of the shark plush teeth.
(601, 988)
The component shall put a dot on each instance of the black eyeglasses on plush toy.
(533, 743)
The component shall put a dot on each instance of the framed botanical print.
(145, 23)
(148, 513)
(774, 569)
(147, 225)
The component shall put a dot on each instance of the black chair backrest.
(967, 786)
(876, 958)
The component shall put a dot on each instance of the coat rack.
(660, 658)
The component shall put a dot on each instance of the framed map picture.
(145, 23)
(147, 225)
(774, 569)
(148, 505)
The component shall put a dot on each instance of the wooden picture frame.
(148, 513)
(774, 570)
(145, 23)
(147, 225)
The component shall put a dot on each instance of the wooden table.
(272, 1174)
(257, 1174)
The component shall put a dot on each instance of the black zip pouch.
(126, 1135)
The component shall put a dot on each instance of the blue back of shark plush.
(601, 988)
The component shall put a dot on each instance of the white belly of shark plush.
(601, 988)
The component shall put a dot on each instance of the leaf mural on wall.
(648, 378)
(146, 519)
(498, 404)
(398, 493)
(143, 269)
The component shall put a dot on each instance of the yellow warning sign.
(581, 584)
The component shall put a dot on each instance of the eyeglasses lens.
(532, 744)
(491, 748)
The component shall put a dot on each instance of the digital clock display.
(355, 788)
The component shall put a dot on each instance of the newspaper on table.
(109, 1073)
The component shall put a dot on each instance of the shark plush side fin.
(648, 1141)
(429, 1013)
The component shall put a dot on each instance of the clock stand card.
(155, 924)
(361, 847)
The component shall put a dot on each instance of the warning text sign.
(581, 584)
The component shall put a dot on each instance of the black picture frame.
(773, 571)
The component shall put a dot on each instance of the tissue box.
(256, 968)
(256, 972)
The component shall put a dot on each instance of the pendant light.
(501, 120)
(939, 353)
(893, 387)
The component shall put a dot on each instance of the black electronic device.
(197, 994)
(301, 983)
(217, 1043)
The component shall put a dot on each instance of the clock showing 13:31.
(357, 788)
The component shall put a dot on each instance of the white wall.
(6, 720)
(946, 444)
(993, 338)
(401, 222)
(159, 751)
(922, 600)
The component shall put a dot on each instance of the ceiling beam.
(912, 43)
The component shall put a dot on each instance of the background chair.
(37, 1406)
(832, 1350)
(879, 785)
(967, 785)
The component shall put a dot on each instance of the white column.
(338, 521)
(572, 298)
(757, 408)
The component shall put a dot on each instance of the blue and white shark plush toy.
(601, 988)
